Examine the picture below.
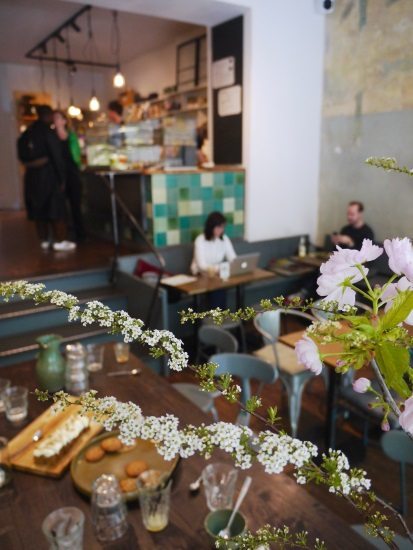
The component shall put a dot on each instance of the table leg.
(333, 383)
(239, 296)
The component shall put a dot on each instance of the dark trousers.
(74, 197)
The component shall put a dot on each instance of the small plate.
(84, 473)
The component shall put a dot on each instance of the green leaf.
(401, 308)
(394, 364)
(356, 320)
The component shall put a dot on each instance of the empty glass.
(219, 481)
(155, 504)
(63, 528)
(94, 357)
(121, 352)
(5, 476)
(4, 384)
(108, 509)
(16, 403)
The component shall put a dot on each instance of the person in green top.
(72, 157)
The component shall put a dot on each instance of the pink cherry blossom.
(361, 385)
(406, 417)
(400, 253)
(391, 292)
(308, 354)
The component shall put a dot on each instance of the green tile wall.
(178, 204)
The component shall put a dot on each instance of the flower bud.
(361, 385)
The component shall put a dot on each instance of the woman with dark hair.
(212, 247)
(72, 158)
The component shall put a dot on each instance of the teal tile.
(239, 190)
(218, 193)
(217, 206)
(229, 230)
(160, 210)
(160, 239)
(239, 203)
(206, 193)
(240, 177)
(219, 178)
(230, 217)
(196, 192)
(172, 223)
(183, 193)
(172, 209)
(198, 221)
(229, 191)
(195, 180)
(238, 231)
(186, 236)
(229, 178)
(171, 181)
(184, 222)
(172, 194)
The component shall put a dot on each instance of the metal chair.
(216, 340)
(246, 368)
(398, 446)
(321, 315)
(282, 357)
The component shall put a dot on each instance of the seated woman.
(211, 248)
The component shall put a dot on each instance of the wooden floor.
(21, 255)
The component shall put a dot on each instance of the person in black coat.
(40, 152)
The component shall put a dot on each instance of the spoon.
(38, 434)
(195, 485)
(226, 533)
(132, 372)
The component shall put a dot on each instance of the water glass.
(16, 403)
(121, 352)
(155, 505)
(219, 481)
(108, 509)
(4, 384)
(5, 475)
(63, 529)
(76, 373)
(94, 357)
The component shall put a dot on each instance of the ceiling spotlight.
(94, 104)
(118, 79)
(73, 111)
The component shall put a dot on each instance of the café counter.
(170, 205)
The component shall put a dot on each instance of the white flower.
(308, 354)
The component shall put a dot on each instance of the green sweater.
(75, 148)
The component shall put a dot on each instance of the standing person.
(72, 159)
(116, 130)
(353, 234)
(39, 150)
(210, 249)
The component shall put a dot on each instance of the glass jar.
(108, 509)
(76, 373)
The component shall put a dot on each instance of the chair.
(282, 357)
(321, 315)
(246, 368)
(228, 325)
(219, 341)
(398, 446)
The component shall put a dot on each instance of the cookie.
(94, 454)
(128, 485)
(111, 445)
(135, 468)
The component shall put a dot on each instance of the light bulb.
(94, 104)
(119, 80)
(73, 111)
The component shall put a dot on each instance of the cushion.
(142, 266)
(286, 356)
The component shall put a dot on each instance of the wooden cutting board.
(22, 446)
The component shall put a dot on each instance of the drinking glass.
(63, 529)
(16, 403)
(5, 476)
(121, 352)
(108, 509)
(94, 357)
(219, 483)
(155, 504)
(4, 384)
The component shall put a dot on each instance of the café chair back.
(293, 375)
(398, 446)
(217, 340)
(246, 368)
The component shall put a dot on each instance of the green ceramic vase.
(50, 366)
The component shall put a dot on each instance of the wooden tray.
(85, 473)
(22, 446)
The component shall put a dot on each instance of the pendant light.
(118, 79)
(94, 104)
(73, 111)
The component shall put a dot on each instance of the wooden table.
(333, 380)
(273, 499)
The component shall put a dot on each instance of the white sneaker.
(64, 246)
(45, 245)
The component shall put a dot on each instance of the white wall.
(24, 78)
(156, 69)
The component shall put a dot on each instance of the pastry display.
(111, 444)
(136, 468)
(94, 454)
(51, 448)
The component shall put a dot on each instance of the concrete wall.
(367, 111)
(26, 78)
